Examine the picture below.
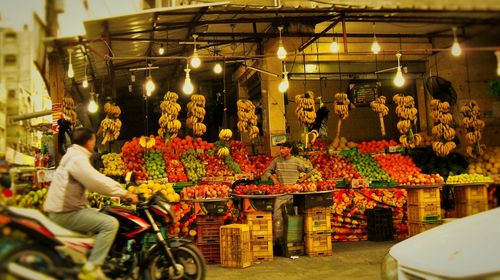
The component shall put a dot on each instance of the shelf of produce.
(309, 193)
(469, 184)
(208, 200)
(420, 186)
(256, 196)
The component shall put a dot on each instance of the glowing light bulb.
(375, 46)
(85, 83)
(161, 50)
(334, 47)
(281, 51)
(456, 50)
(195, 59)
(71, 72)
(217, 68)
(497, 53)
(150, 85)
(284, 84)
(92, 106)
(399, 80)
(187, 88)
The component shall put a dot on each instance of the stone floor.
(350, 260)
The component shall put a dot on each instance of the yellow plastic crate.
(416, 228)
(471, 208)
(235, 246)
(317, 222)
(318, 244)
(424, 213)
(262, 248)
(260, 223)
(471, 193)
(318, 210)
(423, 195)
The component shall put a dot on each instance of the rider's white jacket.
(72, 178)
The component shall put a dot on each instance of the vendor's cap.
(285, 144)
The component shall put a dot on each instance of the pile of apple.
(175, 169)
(113, 165)
(258, 190)
(155, 165)
(195, 169)
(150, 188)
(310, 187)
(132, 154)
(402, 169)
(368, 167)
(340, 144)
(333, 167)
(214, 165)
(319, 145)
(487, 163)
(239, 153)
(375, 146)
(260, 162)
(206, 191)
(468, 179)
(180, 145)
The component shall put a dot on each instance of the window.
(10, 36)
(12, 93)
(10, 59)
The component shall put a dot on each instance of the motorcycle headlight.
(389, 268)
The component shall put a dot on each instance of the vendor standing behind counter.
(285, 170)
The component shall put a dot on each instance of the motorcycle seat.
(56, 229)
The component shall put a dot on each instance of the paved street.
(350, 260)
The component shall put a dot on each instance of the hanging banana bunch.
(378, 106)
(68, 109)
(169, 124)
(474, 126)
(111, 124)
(196, 114)
(247, 120)
(341, 108)
(306, 111)
(442, 130)
(225, 134)
(407, 114)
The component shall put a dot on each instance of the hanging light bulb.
(334, 47)
(497, 53)
(281, 49)
(187, 88)
(71, 72)
(85, 83)
(132, 77)
(284, 84)
(456, 50)
(375, 45)
(399, 80)
(217, 68)
(161, 50)
(130, 88)
(92, 107)
(150, 86)
(195, 59)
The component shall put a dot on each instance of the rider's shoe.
(92, 273)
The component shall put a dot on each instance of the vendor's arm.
(270, 172)
(302, 167)
(94, 181)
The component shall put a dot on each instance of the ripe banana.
(225, 134)
(170, 111)
(110, 126)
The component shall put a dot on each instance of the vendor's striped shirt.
(287, 170)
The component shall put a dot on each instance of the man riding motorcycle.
(67, 205)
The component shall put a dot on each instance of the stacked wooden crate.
(235, 246)
(470, 200)
(261, 234)
(424, 209)
(208, 237)
(317, 229)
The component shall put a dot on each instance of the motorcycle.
(40, 249)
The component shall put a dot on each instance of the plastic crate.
(262, 248)
(318, 244)
(471, 193)
(423, 195)
(317, 222)
(208, 233)
(211, 252)
(380, 224)
(318, 210)
(424, 213)
(416, 228)
(294, 228)
(235, 246)
(471, 208)
(209, 219)
(258, 204)
(308, 201)
(293, 249)
(260, 223)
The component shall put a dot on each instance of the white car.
(468, 248)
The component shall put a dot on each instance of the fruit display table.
(470, 198)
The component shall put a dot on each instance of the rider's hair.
(82, 135)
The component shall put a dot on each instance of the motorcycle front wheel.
(190, 264)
